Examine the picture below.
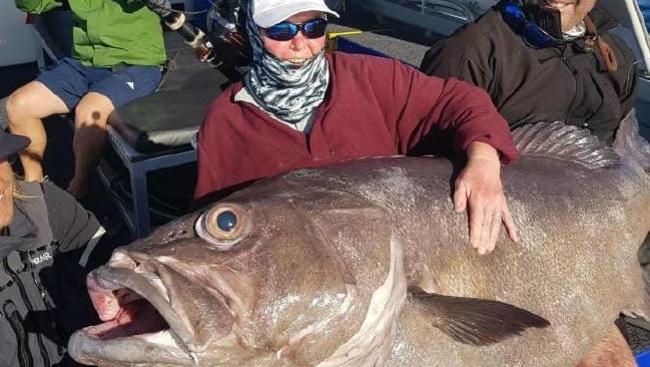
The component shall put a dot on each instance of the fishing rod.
(230, 48)
(193, 36)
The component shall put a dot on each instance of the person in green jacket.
(117, 56)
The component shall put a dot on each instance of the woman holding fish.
(300, 106)
(45, 240)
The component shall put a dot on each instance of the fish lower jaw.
(127, 339)
(164, 338)
(135, 310)
(85, 348)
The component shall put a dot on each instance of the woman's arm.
(72, 225)
(466, 118)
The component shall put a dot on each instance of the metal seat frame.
(139, 164)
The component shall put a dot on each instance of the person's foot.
(78, 188)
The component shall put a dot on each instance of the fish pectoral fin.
(477, 321)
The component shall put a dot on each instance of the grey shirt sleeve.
(72, 225)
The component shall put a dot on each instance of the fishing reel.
(220, 46)
(226, 24)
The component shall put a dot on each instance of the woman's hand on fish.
(478, 188)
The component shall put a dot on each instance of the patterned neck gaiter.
(290, 93)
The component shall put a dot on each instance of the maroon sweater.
(374, 107)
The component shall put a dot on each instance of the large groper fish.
(366, 264)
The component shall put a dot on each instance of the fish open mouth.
(125, 313)
(136, 313)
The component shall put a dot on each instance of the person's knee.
(89, 117)
(32, 101)
(93, 111)
(16, 107)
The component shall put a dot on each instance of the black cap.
(11, 144)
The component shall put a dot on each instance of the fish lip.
(113, 278)
(85, 349)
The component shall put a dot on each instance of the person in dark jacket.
(301, 107)
(46, 238)
(536, 69)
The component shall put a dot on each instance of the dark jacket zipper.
(17, 325)
(30, 308)
(573, 72)
(48, 304)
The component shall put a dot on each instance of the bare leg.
(25, 109)
(612, 351)
(91, 115)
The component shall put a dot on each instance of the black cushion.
(170, 117)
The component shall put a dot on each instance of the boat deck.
(409, 52)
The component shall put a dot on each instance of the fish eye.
(223, 225)
(227, 221)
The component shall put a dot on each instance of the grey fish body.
(575, 263)
(366, 264)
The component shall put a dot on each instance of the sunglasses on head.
(286, 31)
(533, 34)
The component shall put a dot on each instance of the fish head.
(241, 283)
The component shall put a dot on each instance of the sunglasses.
(286, 31)
(531, 32)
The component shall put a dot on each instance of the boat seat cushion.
(171, 116)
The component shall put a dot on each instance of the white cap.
(267, 13)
